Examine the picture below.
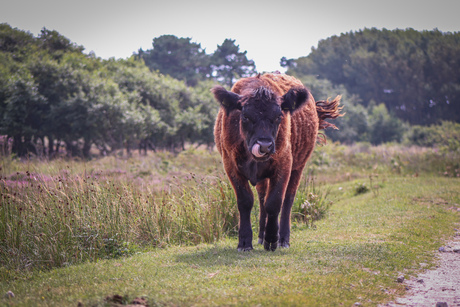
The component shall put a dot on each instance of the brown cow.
(265, 131)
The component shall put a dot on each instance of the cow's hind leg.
(262, 192)
(285, 220)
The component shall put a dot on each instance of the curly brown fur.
(266, 131)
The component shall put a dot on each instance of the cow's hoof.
(261, 241)
(284, 244)
(270, 246)
(245, 249)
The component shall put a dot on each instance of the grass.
(353, 255)
(55, 221)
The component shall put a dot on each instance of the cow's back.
(278, 83)
(304, 131)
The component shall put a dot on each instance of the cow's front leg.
(273, 203)
(245, 201)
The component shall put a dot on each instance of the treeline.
(55, 100)
(185, 60)
(416, 75)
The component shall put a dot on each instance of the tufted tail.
(328, 109)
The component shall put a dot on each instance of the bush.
(445, 136)
(384, 127)
(361, 188)
(311, 203)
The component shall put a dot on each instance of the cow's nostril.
(265, 146)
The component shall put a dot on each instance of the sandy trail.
(439, 287)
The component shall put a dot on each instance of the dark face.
(261, 115)
(260, 119)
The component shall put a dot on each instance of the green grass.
(57, 221)
(353, 255)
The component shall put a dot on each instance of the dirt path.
(439, 287)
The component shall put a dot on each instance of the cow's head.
(262, 112)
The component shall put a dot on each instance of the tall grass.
(336, 162)
(63, 212)
(51, 221)
(312, 202)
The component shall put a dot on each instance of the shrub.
(384, 127)
(311, 203)
(361, 188)
(445, 136)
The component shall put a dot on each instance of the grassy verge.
(54, 221)
(74, 231)
(352, 256)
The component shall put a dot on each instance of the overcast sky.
(267, 30)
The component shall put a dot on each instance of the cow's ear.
(294, 99)
(229, 100)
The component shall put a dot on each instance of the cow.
(265, 131)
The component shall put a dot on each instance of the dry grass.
(66, 218)
(63, 212)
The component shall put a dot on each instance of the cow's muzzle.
(262, 148)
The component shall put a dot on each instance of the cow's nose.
(265, 146)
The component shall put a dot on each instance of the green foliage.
(23, 112)
(311, 204)
(177, 57)
(17, 44)
(384, 128)
(445, 136)
(416, 74)
(56, 44)
(361, 188)
(114, 248)
(372, 124)
(54, 97)
(174, 113)
(184, 60)
(353, 256)
(63, 212)
(229, 63)
(53, 221)
(55, 100)
(343, 161)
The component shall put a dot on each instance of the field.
(163, 227)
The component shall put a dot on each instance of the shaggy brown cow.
(265, 131)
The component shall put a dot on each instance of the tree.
(56, 43)
(16, 43)
(416, 74)
(182, 114)
(52, 94)
(354, 126)
(228, 63)
(178, 57)
(383, 126)
(23, 113)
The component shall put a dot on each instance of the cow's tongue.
(256, 151)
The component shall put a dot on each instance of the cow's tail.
(328, 110)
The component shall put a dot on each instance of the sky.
(267, 30)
